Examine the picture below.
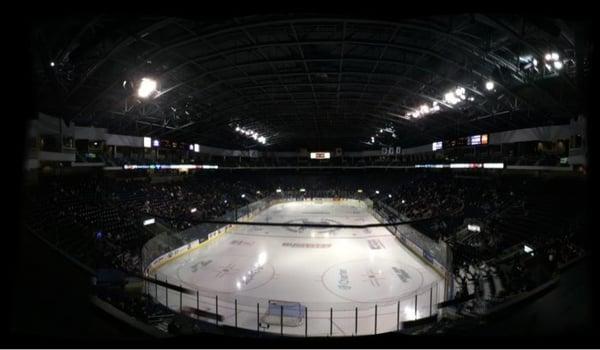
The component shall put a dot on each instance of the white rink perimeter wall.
(170, 258)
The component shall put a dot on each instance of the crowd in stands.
(99, 218)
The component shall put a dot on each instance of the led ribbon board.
(169, 166)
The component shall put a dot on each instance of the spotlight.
(147, 87)
(489, 85)
(52, 64)
(558, 64)
(554, 56)
(548, 57)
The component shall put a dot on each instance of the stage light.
(278, 190)
(403, 201)
(51, 64)
(389, 196)
(558, 65)
(243, 195)
(548, 57)
(193, 210)
(474, 228)
(147, 87)
(554, 56)
(377, 192)
(489, 85)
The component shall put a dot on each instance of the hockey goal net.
(288, 313)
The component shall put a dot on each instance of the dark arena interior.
(305, 177)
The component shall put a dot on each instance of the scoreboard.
(477, 140)
(474, 140)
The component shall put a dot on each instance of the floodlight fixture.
(147, 87)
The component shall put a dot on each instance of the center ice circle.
(227, 274)
(372, 280)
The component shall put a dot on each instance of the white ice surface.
(321, 268)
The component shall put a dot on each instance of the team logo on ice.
(204, 263)
(343, 281)
(402, 275)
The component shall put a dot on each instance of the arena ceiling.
(306, 80)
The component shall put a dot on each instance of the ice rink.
(343, 277)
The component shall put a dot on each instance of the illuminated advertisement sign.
(149, 222)
(465, 165)
(320, 155)
(493, 165)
